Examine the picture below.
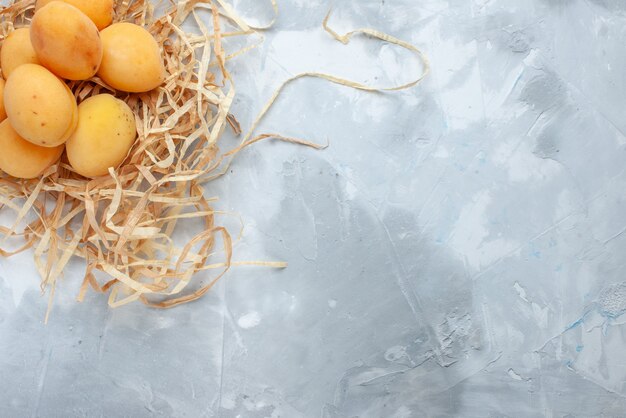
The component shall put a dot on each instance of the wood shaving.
(122, 224)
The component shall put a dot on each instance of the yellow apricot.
(22, 159)
(40, 106)
(66, 41)
(17, 50)
(99, 11)
(132, 59)
(106, 132)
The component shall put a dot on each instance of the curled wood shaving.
(124, 225)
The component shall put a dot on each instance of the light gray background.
(458, 250)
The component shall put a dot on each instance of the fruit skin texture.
(19, 158)
(41, 107)
(132, 59)
(17, 50)
(99, 11)
(66, 41)
(106, 132)
(3, 112)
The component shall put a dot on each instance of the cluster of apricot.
(72, 40)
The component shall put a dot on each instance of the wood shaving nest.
(122, 224)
